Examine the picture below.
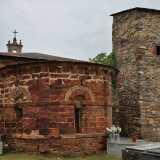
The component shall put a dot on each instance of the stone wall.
(124, 45)
(38, 101)
(149, 73)
(135, 37)
(64, 145)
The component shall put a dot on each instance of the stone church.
(61, 105)
(52, 104)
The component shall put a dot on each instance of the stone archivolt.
(79, 91)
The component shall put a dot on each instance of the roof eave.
(135, 8)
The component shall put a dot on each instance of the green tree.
(107, 59)
(101, 58)
(104, 58)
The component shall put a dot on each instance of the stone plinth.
(73, 144)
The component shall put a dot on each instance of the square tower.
(136, 43)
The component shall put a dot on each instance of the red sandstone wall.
(67, 145)
(46, 93)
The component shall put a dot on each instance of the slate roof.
(39, 56)
(36, 57)
(138, 9)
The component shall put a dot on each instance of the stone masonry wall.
(135, 37)
(124, 46)
(64, 145)
(149, 74)
(45, 94)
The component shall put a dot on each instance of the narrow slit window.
(158, 50)
(78, 115)
(19, 112)
(77, 120)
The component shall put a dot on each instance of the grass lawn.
(50, 157)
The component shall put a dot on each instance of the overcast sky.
(71, 28)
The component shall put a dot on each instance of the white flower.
(119, 129)
(109, 130)
(114, 129)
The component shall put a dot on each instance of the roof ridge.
(136, 8)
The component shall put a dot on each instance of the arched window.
(79, 107)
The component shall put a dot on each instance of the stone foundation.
(75, 144)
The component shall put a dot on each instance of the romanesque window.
(79, 114)
(17, 96)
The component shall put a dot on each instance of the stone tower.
(14, 47)
(136, 42)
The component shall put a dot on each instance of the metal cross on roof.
(15, 32)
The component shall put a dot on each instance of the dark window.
(82, 82)
(77, 119)
(78, 113)
(19, 112)
(158, 50)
